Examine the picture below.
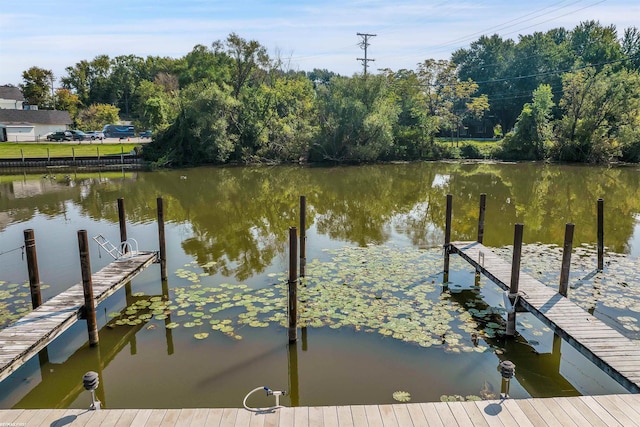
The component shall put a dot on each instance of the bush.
(470, 151)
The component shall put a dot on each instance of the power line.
(364, 44)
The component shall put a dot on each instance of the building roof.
(41, 117)
(11, 92)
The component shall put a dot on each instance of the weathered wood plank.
(315, 416)
(141, 418)
(431, 414)
(330, 416)
(402, 415)
(301, 416)
(359, 416)
(388, 416)
(374, 418)
(155, 418)
(344, 416)
(417, 415)
(611, 406)
(460, 414)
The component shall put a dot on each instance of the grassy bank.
(12, 150)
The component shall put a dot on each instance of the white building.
(18, 124)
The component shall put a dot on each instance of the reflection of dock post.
(87, 287)
(483, 208)
(600, 234)
(303, 234)
(168, 332)
(161, 237)
(447, 237)
(293, 282)
(294, 389)
(515, 279)
(563, 288)
(123, 222)
(32, 267)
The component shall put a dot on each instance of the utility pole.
(364, 44)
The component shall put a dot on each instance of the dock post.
(600, 234)
(122, 221)
(161, 237)
(515, 279)
(447, 237)
(303, 234)
(483, 207)
(293, 282)
(87, 287)
(32, 268)
(563, 288)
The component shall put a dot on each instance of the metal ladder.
(125, 250)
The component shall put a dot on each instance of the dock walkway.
(611, 410)
(608, 349)
(25, 338)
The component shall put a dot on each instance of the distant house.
(22, 122)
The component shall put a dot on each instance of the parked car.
(95, 134)
(78, 135)
(60, 136)
(145, 134)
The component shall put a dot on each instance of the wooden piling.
(563, 288)
(515, 278)
(447, 236)
(87, 287)
(293, 285)
(123, 222)
(483, 207)
(303, 234)
(32, 267)
(600, 234)
(161, 237)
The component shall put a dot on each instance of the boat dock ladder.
(126, 249)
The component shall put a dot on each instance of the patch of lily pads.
(393, 292)
(15, 301)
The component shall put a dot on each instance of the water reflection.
(240, 216)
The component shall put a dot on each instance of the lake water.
(375, 316)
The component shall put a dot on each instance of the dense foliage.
(562, 95)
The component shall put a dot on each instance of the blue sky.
(54, 34)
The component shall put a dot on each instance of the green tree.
(290, 128)
(598, 107)
(417, 124)
(248, 58)
(533, 133)
(449, 99)
(488, 62)
(200, 132)
(67, 101)
(356, 120)
(96, 116)
(37, 85)
(631, 48)
(89, 80)
(593, 44)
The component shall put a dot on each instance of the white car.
(95, 134)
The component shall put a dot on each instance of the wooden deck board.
(33, 332)
(589, 335)
(608, 410)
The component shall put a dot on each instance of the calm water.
(374, 237)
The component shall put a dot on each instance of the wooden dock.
(608, 349)
(611, 410)
(25, 338)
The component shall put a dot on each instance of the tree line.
(569, 95)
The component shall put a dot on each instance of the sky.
(55, 34)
